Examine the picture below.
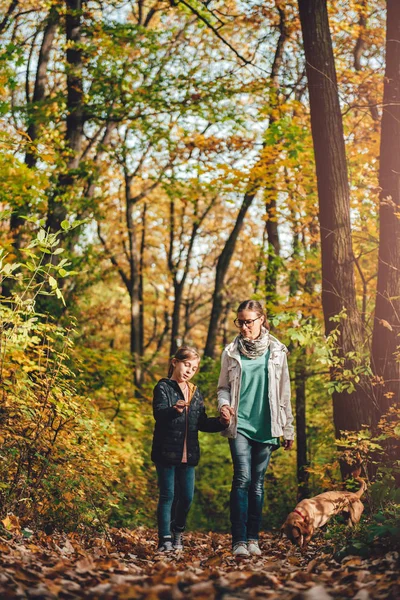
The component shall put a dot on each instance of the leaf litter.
(125, 565)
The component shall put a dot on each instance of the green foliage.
(379, 529)
(61, 457)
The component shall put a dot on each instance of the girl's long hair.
(256, 307)
(183, 353)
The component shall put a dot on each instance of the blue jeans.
(250, 461)
(176, 485)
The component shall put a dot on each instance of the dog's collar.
(299, 513)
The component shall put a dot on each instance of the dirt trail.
(125, 565)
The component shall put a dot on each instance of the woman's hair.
(256, 307)
(183, 353)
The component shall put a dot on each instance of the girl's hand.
(226, 412)
(288, 444)
(180, 406)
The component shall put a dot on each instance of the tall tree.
(57, 209)
(351, 410)
(271, 194)
(256, 182)
(7, 17)
(34, 109)
(386, 332)
(34, 104)
(223, 263)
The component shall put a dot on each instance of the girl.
(254, 387)
(178, 409)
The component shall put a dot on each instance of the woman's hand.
(288, 444)
(225, 414)
(180, 406)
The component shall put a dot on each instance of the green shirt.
(254, 415)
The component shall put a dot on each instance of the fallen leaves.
(11, 523)
(125, 565)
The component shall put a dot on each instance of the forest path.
(124, 565)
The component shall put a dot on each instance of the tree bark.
(33, 107)
(57, 208)
(271, 224)
(134, 290)
(301, 434)
(41, 82)
(352, 410)
(220, 275)
(386, 331)
(273, 253)
(360, 43)
(141, 280)
(7, 17)
(300, 376)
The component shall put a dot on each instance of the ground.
(124, 564)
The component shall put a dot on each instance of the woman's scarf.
(254, 348)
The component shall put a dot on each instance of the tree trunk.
(300, 377)
(141, 282)
(260, 261)
(271, 224)
(386, 332)
(7, 17)
(176, 317)
(352, 410)
(301, 435)
(273, 254)
(135, 284)
(41, 81)
(33, 108)
(221, 271)
(57, 209)
(360, 43)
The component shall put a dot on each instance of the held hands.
(288, 444)
(225, 414)
(180, 406)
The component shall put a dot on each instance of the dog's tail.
(363, 486)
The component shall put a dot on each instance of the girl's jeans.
(176, 485)
(250, 461)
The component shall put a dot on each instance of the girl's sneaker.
(240, 549)
(177, 540)
(165, 546)
(253, 548)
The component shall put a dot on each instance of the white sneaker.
(177, 540)
(165, 547)
(253, 548)
(240, 549)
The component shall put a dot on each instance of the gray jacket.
(278, 390)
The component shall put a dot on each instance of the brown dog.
(312, 513)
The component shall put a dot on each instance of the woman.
(254, 390)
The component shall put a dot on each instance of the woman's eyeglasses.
(248, 323)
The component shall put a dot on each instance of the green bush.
(64, 462)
